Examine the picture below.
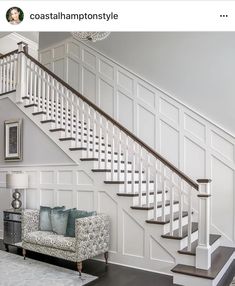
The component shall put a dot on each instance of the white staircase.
(153, 191)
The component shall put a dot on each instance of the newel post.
(203, 253)
(21, 87)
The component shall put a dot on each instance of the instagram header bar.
(117, 16)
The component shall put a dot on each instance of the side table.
(12, 227)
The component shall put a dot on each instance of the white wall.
(194, 144)
(195, 67)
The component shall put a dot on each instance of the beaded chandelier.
(90, 36)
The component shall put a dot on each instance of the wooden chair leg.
(106, 257)
(7, 247)
(24, 253)
(79, 267)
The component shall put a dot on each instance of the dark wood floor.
(114, 275)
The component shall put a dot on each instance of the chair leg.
(106, 257)
(79, 267)
(24, 253)
(6, 247)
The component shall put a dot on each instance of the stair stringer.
(155, 231)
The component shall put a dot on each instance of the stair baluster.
(112, 152)
(49, 103)
(31, 66)
(171, 202)
(53, 102)
(155, 192)
(148, 181)
(181, 196)
(57, 107)
(164, 187)
(106, 144)
(100, 142)
(140, 175)
(189, 218)
(94, 133)
(126, 158)
(35, 93)
(67, 127)
(43, 91)
(133, 168)
(119, 155)
(89, 139)
(82, 112)
(61, 110)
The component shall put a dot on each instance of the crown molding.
(19, 38)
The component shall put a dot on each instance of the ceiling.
(33, 36)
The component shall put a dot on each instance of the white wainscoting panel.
(72, 186)
(194, 144)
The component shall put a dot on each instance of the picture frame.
(13, 140)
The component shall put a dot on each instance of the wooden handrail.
(9, 54)
(131, 135)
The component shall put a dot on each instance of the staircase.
(155, 191)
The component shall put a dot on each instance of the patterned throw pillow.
(73, 215)
(45, 217)
(59, 220)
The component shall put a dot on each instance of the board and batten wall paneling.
(73, 187)
(193, 143)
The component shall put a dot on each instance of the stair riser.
(144, 199)
(185, 259)
(122, 177)
(166, 227)
(184, 241)
(120, 188)
(186, 280)
(135, 200)
(150, 214)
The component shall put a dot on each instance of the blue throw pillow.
(73, 215)
(45, 217)
(59, 220)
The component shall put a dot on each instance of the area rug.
(14, 270)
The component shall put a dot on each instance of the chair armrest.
(30, 222)
(92, 236)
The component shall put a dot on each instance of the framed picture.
(13, 140)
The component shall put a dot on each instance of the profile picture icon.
(15, 15)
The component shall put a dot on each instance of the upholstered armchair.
(91, 238)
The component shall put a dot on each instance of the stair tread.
(218, 259)
(77, 148)
(136, 194)
(109, 170)
(184, 232)
(213, 239)
(167, 218)
(123, 182)
(89, 159)
(151, 206)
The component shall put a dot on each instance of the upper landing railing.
(21, 72)
(8, 72)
